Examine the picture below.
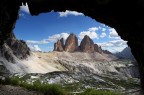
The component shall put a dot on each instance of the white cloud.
(64, 36)
(113, 43)
(34, 47)
(99, 27)
(25, 8)
(45, 41)
(114, 46)
(91, 33)
(67, 13)
(103, 29)
(103, 25)
(114, 49)
(52, 38)
(113, 34)
(103, 35)
(56, 37)
(21, 14)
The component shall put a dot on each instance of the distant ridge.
(125, 54)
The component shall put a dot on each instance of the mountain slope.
(125, 54)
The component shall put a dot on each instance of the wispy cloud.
(114, 49)
(91, 32)
(103, 35)
(45, 41)
(25, 8)
(34, 47)
(67, 13)
(56, 37)
(21, 14)
(113, 34)
(114, 43)
(103, 29)
(114, 46)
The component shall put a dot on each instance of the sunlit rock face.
(107, 52)
(71, 43)
(99, 49)
(87, 44)
(59, 45)
(96, 47)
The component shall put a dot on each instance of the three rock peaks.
(71, 45)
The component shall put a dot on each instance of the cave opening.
(130, 38)
(30, 28)
(66, 22)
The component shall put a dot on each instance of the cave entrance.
(69, 22)
(96, 11)
(58, 25)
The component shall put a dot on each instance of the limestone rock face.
(59, 45)
(62, 42)
(13, 48)
(100, 50)
(87, 44)
(96, 47)
(18, 47)
(6, 52)
(71, 44)
(106, 52)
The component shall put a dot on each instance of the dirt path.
(12, 90)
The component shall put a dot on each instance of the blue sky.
(42, 31)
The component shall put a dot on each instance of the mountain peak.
(125, 53)
(87, 44)
(71, 44)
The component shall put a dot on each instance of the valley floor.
(77, 71)
(13, 90)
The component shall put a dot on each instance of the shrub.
(54, 90)
(97, 92)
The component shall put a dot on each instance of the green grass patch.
(46, 89)
(97, 92)
(54, 89)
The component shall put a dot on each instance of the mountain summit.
(71, 45)
(87, 44)
(125, 53)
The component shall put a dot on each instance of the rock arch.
(124, 15)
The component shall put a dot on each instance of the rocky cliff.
(125, 54)
(14, 48)
(59, 45)
(19, 48)
(87, 44)
(71, 43)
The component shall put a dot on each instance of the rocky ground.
(13, 90)
(77, 71)
(78, 81)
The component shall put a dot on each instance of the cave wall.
(8, 16)
(126, 16)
